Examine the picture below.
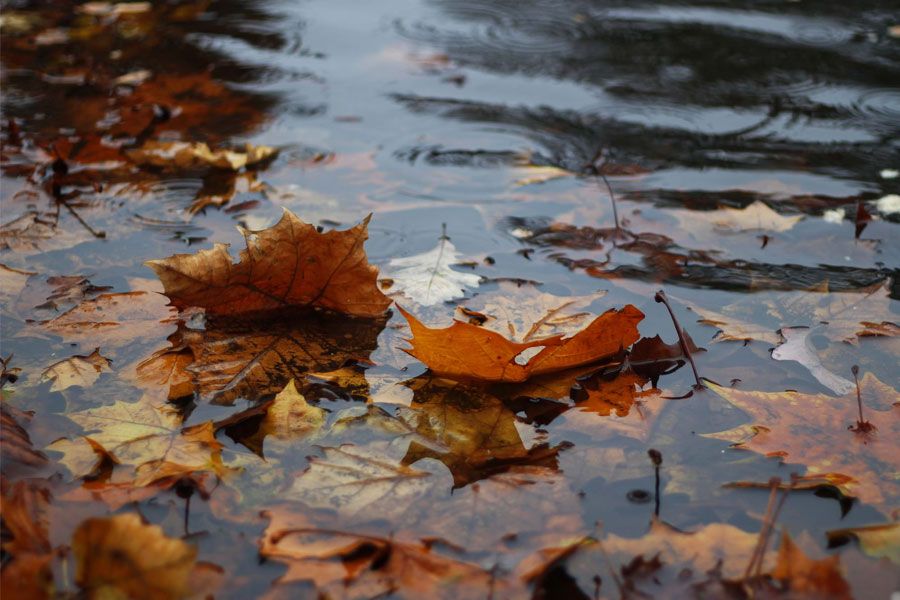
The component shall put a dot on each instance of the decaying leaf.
(76, 370)
(755, 216)
(840, 316)
(359, 483)
(121, 557)
(290, 416)
(804, 577)
(147, 443)
(17, 452)
(469, 352)
(794, 427)
(354, 565)
(26, 545)
(289, 264)
(880, 541)
(428, 278)
(523, 312)
(184, 155)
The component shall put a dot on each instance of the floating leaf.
(794, 427)
(119, 557)
(76, 370)
(184, 155)
(797, 347)
(803, 576)
(754, 216)
(468, 352)
(428, 279)
(289, 264)
(882, 540)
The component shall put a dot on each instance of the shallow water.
(424, 113)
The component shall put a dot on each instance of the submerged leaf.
(289, 264)
(76, 370)
(810, 578)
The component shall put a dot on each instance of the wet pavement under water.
(425, 114)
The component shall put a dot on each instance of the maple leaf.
(12, 282)
(358, 484)
(802, 575)
(523, 312)
(797, 347)
(149, 440)
(353, 565)
(840, 316)
(794, 426)
(468, 429)
(468, 352)
(427, 278)
(120, 556)
(253, 357)
(286, 418)
(76, 370)
(289, 264)
(754, 216)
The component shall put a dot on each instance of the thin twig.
(661, 297)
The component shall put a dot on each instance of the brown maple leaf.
(804, 577)
(289, 264)
(823, 433)
(468, 352)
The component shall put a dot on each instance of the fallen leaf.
(523, 312)
(468, 352)
(806, 577)
(428, 279)
(12, 282)
(76, 370)
(879, 541)
(652, 357)
(291, 416)
(18, 453)
(794, 426)
(796, 346)
(147, 442)
(354, 565)
(289, 264)
(120, 556)
(116, 320)
(359, 484)
(530, 174)
(26, 545)
(605, 396)
(185, 155)
(755, 216)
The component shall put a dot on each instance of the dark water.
(423, 113)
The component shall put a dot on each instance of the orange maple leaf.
(469, 352)
(288, 264)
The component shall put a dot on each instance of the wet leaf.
(146, 442)
(428, 279)
(18, 453)
(797, 347)
(755, 216)
(26, 544)
(805, 577)
(794, 427)
(184, 155)
(524, 312)
(76, 370)
(468, 352)
(352, 565)
(289, 264)
(120, 556)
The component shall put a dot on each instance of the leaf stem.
(661, 297)
(656, 459)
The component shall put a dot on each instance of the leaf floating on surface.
(76, 370)
(428, 279)
(289, 264)
(468, 352)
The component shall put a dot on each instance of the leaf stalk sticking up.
(661, 297)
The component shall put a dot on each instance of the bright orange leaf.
(469, 352)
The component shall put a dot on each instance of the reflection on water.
(740, 154)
